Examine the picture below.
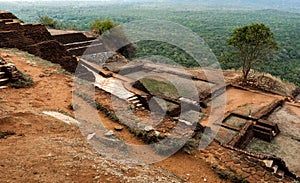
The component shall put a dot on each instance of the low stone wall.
(35, 39)
(278, 161)
(11, 39)
(244, 136)
(233, 163)
(55, 52)
(16, 35)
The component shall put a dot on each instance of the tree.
(254, 43)
(47, 21)
(101, 26)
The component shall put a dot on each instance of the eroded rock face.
(53, 51)
(7, 15)
(35, 39)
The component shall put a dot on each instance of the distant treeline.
(214, 25)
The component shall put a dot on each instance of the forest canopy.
(214, 21)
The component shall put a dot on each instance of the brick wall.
(7, 15)
(35, 39)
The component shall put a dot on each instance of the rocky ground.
(39, 148)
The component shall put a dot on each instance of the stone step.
(275, 168)
(3, 80)
(262, 128)
(135, 101)
(3, 87)
(139, 105)
(2, 73)
(185, 122)
(86, 50)
(280, 174)
(133, 98)
(81, 44)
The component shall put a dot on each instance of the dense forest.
(212, 20)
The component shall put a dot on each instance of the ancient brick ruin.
(228, 150)
(35, 39)
(256, 125)
(7, 72)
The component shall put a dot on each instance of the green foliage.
(5, 134)
(65, 113)
(47, 21)
(238, 179)
(222, 174)
(174, 55)
(214, 22)
(24, 81)
(254, 43)
(160, 88)
(168, 146)
(101, 26)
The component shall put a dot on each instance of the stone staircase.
(3, 76)
(3, 80)
(7, 72)
(273, 167)
(265, 130)
(87, 48)
(79, 44)
(136, 103)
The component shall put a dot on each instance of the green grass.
(160, 88)
(24, 82)
(5, 134)
(31, 59)
(238, 179)
(66, 113)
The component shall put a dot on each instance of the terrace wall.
(35, 39)
(71, 38)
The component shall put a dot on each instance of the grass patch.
(5, 134)
(170, 145)
(66, 113)
(262, 147)
(24, 81)
(37, 60)
(160, 88)
(238, 179)
(236, 122)
(229, 175)
(222, 174)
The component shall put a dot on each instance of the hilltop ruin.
(35, 39)
(247, 121)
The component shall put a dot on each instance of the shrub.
(23, 81)
(238, 179)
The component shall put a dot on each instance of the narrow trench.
(124, 134)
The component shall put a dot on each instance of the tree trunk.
(246, 70)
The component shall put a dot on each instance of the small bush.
(24, 81)
(5, 134)
(238, 179)
(222, 174)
